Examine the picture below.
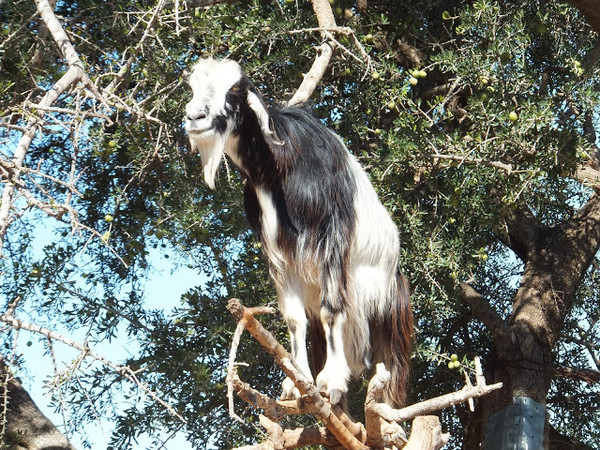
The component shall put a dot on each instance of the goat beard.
(211, 151)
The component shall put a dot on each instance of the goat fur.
(332, 247)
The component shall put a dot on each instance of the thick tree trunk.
(556, 260)
(25, 426)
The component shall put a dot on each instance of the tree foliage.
(475, 120)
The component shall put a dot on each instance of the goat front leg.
(292, 308)
(333, 379)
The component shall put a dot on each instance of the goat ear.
(264, 119)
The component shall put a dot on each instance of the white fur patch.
(270, 227)
(292, 296)
(211, 149)
(263, 118)
(210, 81)
(333, 379)
(373, 268)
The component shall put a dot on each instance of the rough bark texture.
(555, 261)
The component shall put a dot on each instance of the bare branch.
(201, 3)
(426, 433)
(311, 396)
(63, 42)
(435, 404)
(325, 19)
(273, 409)
(70, 78)
(68, 111)
(327, 27)
(231, 372)
(383, 422)
(299, 437)
(508, 168)
(379, 430)
(314, 75)
(589, 376)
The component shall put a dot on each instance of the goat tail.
(392, 343)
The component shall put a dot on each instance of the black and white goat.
(332, 248)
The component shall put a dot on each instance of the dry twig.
(124, 371)
(319, 406)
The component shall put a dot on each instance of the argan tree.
(476, 121)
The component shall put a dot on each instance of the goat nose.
(197, 115)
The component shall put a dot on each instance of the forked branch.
(319, 406)
(328, 28)
(383, 423)
(125, 371)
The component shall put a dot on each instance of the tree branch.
(325, 19)
(70, 78)
(311, 396)
(379, 430)
(63, 42)
(383, 422)
(591, 10)
(508, 168)
(426, 433)
(201, 3)
(124, 371)
(73, 75)
(483, 311)
(299, 437)
(522, 231)
(589, 376)
(435, 404)
(570, 249)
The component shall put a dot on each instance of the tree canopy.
(476, 121)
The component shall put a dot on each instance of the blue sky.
(167, 281)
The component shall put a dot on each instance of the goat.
(331, 246)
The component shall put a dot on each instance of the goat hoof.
(289, 390)
(335, 396)
(334, 387)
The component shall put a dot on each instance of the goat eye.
(235, 88)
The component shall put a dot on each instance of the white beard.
(212, 146)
